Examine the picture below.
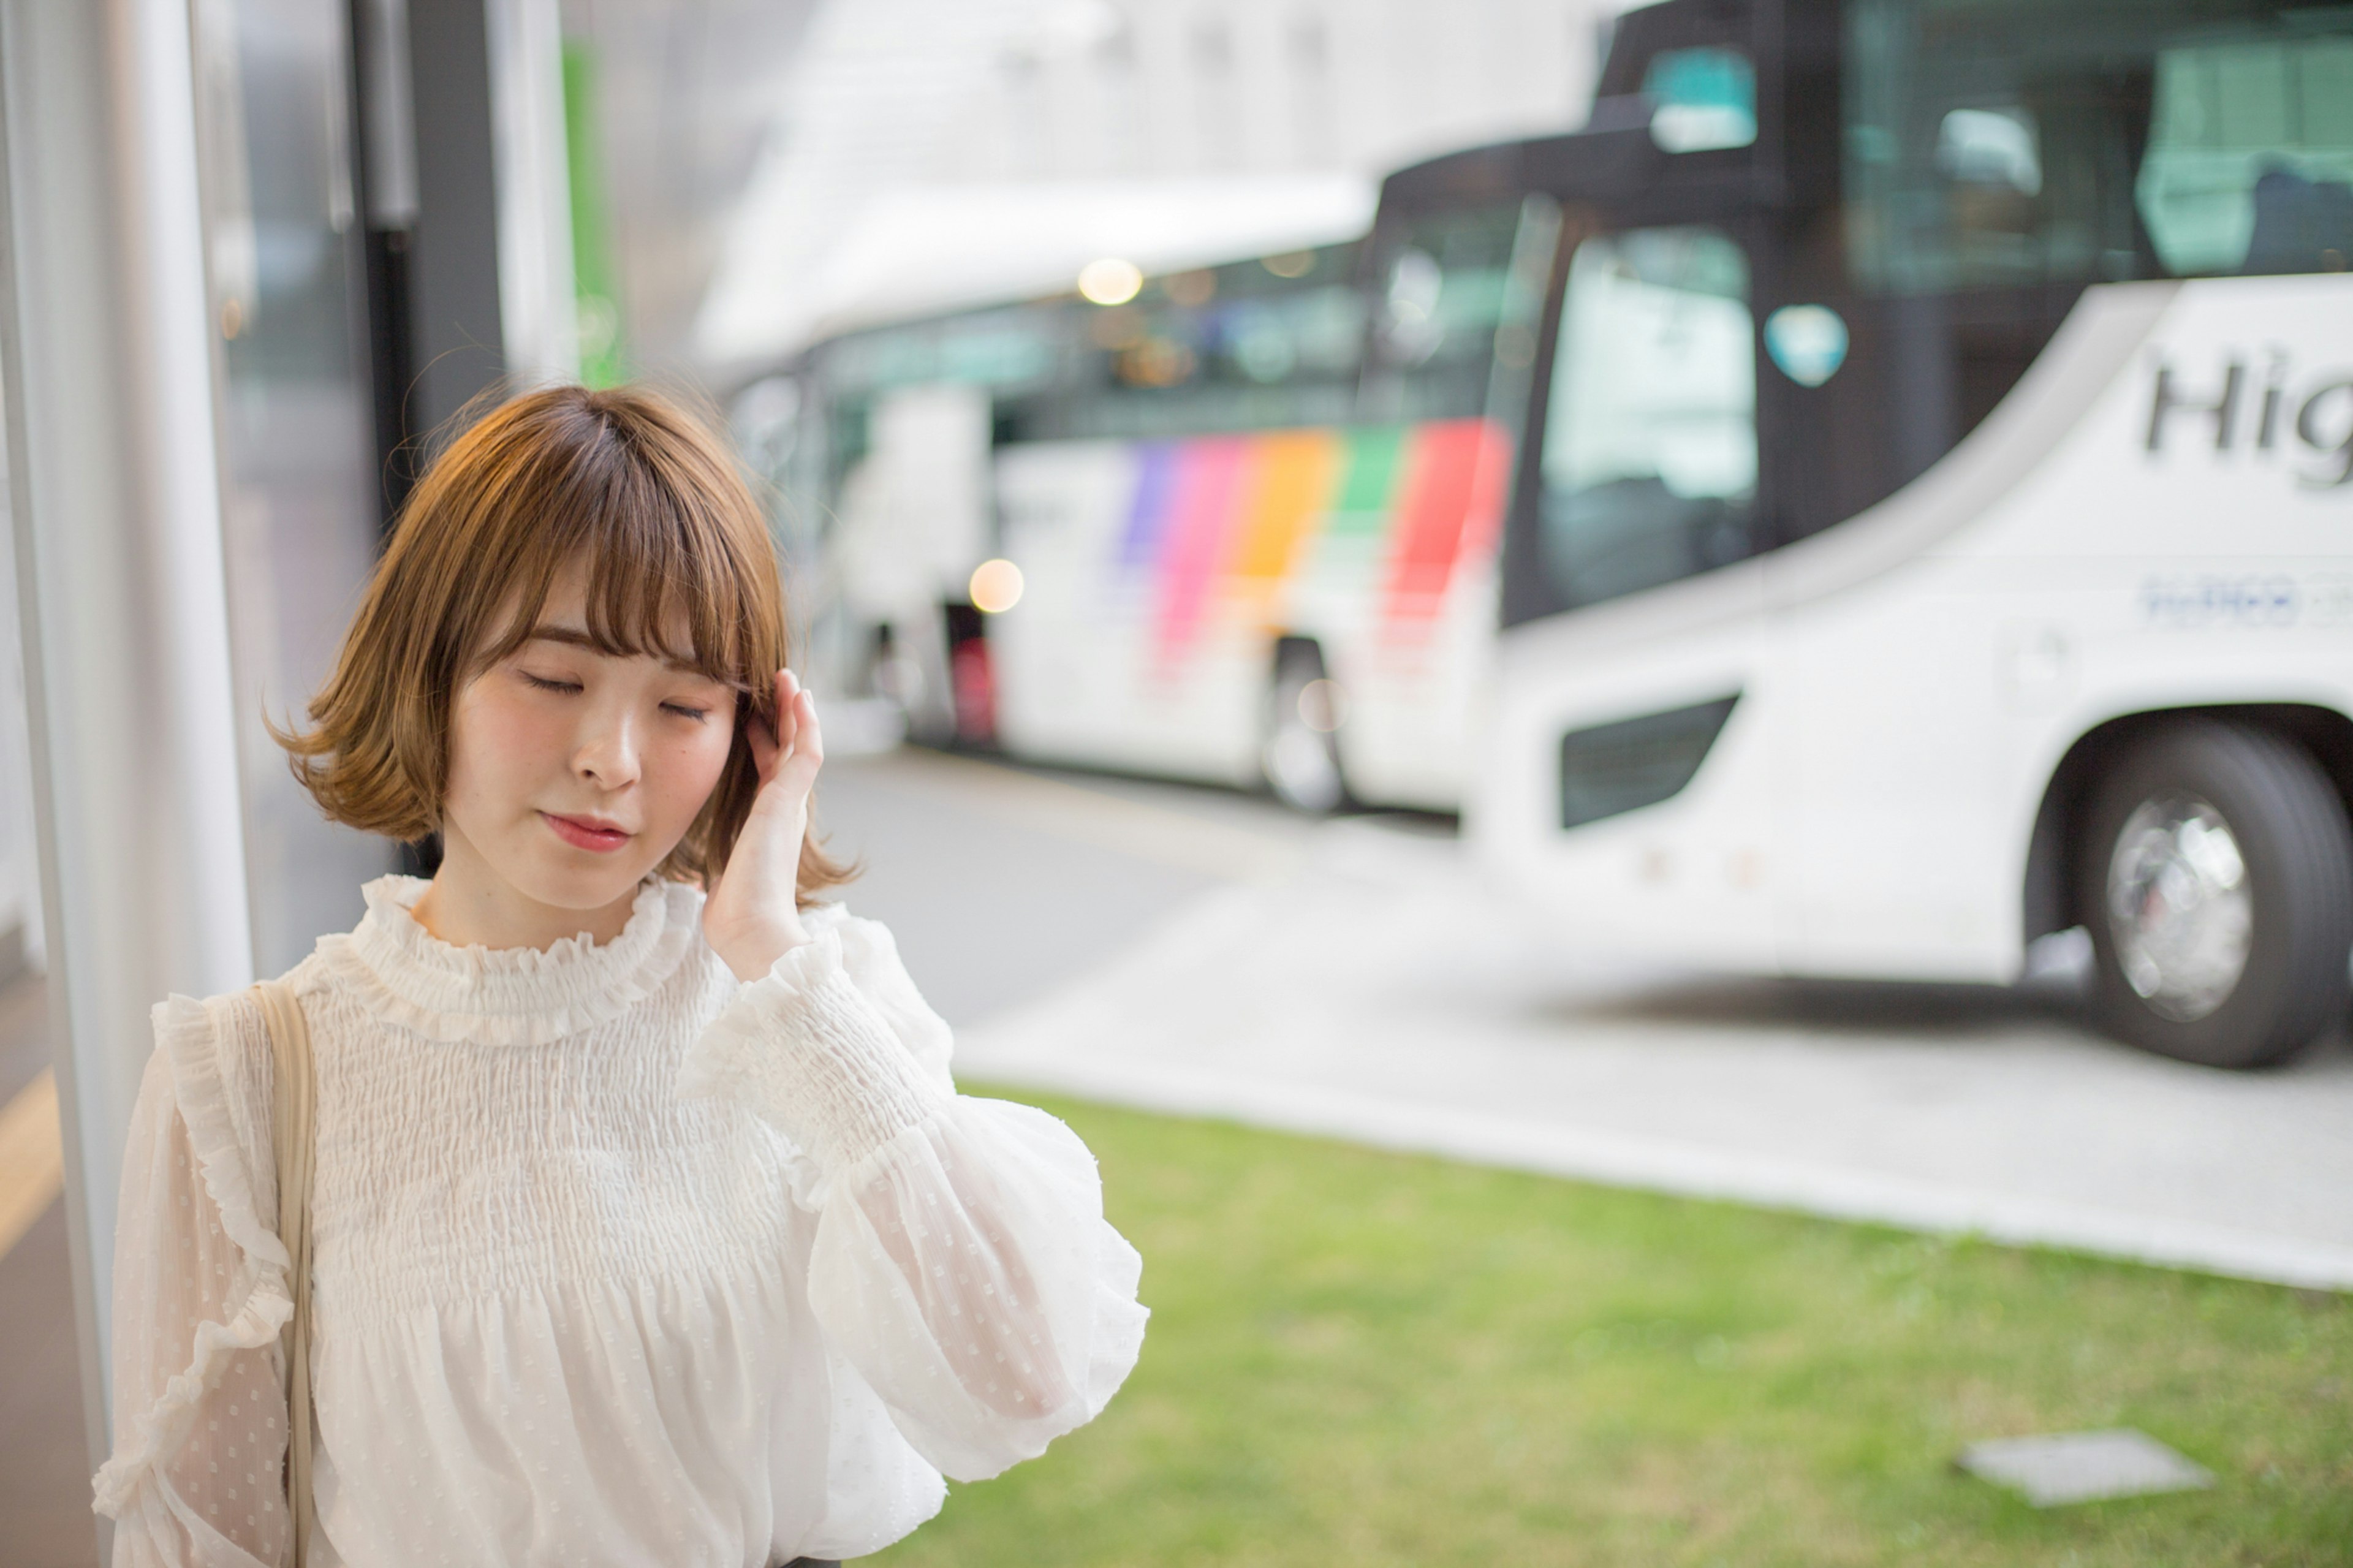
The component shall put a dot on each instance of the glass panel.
(1650, 444)
(2249, 158)
(1449, 301)
(1706, 98)
(2002, 143)
(300, 492)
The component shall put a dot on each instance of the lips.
(586, 832)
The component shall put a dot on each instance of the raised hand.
(752, 916)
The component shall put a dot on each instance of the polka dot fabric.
(616, 1261)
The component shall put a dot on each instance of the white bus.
(1934, 527)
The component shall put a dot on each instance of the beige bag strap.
(295, 1142)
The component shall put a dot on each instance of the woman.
(647, 1226)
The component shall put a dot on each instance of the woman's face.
(574, 773)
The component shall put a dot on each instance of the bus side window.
(1649, 442)
(2250, 163)
(1250, 345)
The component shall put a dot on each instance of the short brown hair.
(627, 481)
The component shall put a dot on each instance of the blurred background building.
(773, 168)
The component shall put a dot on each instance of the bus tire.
(1300, 760)
(2216, 873)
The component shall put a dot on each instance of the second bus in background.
(1235, 524)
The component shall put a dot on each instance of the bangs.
(639, 598)
(667, 575)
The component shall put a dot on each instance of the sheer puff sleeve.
(200, 1293)
(962, 1263)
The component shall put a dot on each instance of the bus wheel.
(2216, 870)
(1299, 750)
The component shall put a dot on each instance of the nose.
(608, 752)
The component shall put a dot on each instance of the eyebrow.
(575, 636)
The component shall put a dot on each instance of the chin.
(583, 888)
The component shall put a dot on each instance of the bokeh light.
(996, 586)
(1323, 706)
(1110, 281)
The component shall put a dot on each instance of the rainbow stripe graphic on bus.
(1222, 525)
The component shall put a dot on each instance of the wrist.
(752, 952)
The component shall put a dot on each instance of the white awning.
(922, 251)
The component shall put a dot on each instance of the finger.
(787, 718)
(765, 751)
(809, 743)
(789, 692)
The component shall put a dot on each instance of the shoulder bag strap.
(294, 1140)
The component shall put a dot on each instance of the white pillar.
(538, 312)
(106, 349)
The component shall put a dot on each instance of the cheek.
(690, 768)
(500, 747)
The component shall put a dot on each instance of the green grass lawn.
(1359, 1359)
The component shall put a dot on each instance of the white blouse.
(616, 1260)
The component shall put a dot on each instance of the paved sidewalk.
(1377, 995)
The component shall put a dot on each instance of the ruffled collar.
(518, 995)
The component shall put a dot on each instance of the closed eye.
(545, 685)
(685, 711)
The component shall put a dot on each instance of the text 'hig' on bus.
(1874, 499)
